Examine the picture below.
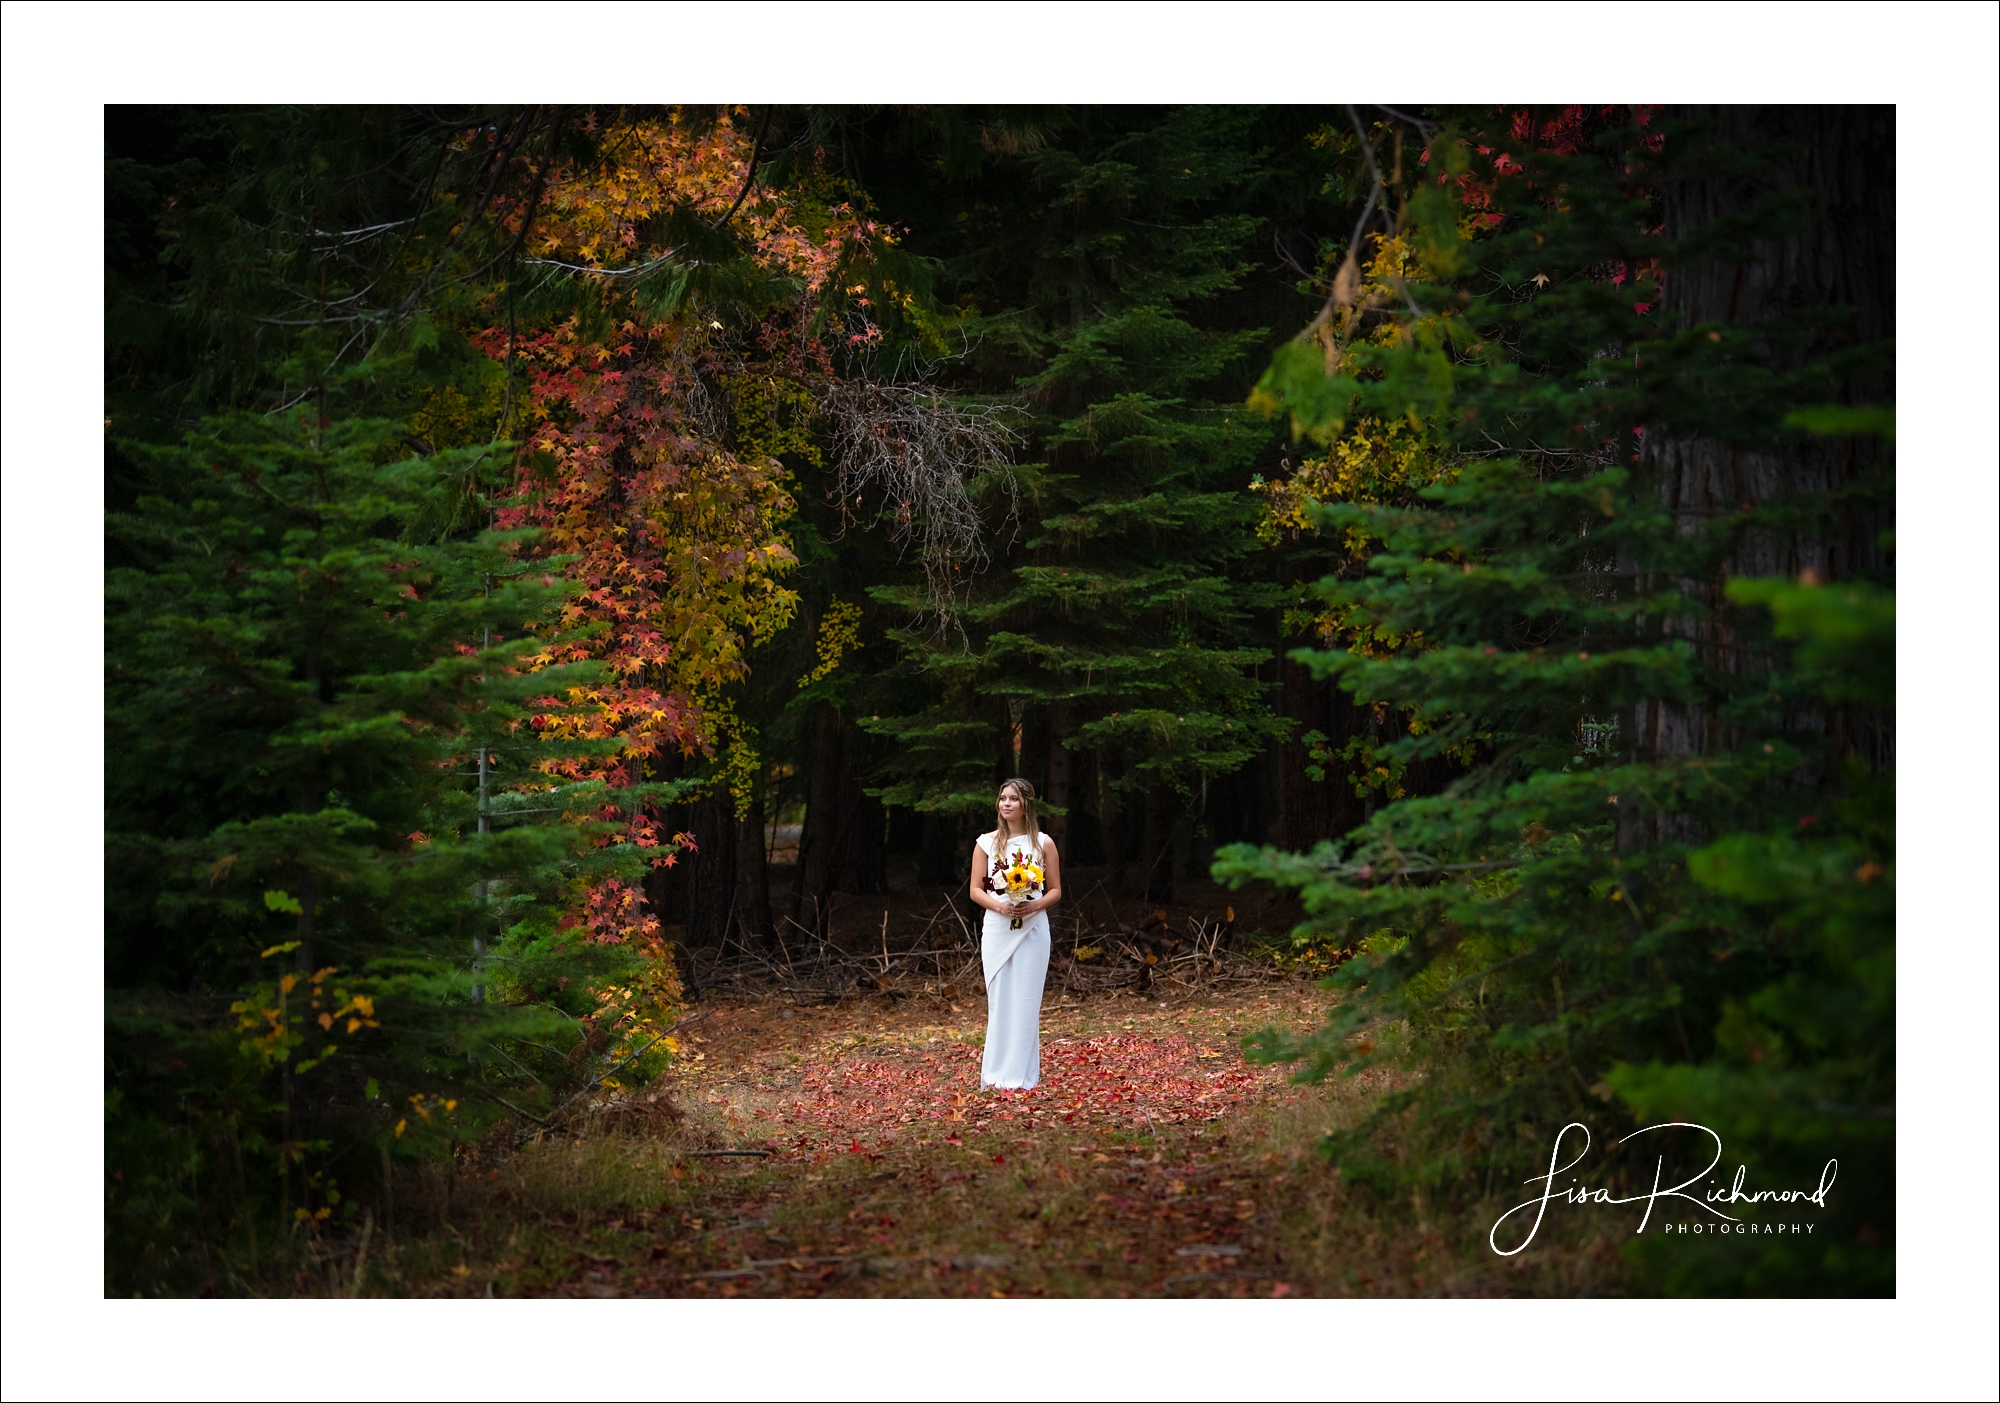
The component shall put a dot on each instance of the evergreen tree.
(325, 741)
(1113, 648)
(1664, 891)
(352, 905)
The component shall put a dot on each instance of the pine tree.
(1113, 647)
(336, 812)
(1664, 890)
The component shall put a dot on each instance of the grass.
(1242, 1205)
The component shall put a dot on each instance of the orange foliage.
(651, 498)
(595, 217)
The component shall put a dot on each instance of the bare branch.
(756, 152)
(923, 451)
(1418, 122)
(1347, 282)
(343, 237)
(634, 271)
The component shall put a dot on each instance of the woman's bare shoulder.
(1049, 844)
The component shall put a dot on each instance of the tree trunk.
(310, 790)
(1033, 764)
(712, 896)
(1085, 826)
(1110, 824)
(308, 951)
(819, 838)
(867, 825)
(753, 878)
(947, 847)
(1006, 745)
(1842, 160)
(1156, 849)
(843, 845)
(1839, 261)
(1303, 818)
(1058, 777)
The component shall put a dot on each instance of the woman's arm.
(980, 895)
(1051, 881)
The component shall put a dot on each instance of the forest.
(576, 577)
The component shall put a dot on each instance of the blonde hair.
(1030, 829)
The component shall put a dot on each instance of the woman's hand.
(977, 889)
(982, 895)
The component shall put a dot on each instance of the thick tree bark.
(1239, 807)
(1843, 160)
(1840, 264)
(947, 845)
(1082, 831)
(304, 958)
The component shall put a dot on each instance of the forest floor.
(847, 1151)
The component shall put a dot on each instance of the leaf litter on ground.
(1121, 1081)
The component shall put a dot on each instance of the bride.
(1014, 945)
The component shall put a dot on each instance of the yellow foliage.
(1376, 461)
(594, 215)
(450, 418)
(678, 524)
(773, 415)
(839, 633)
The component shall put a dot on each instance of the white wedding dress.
(1016, 963)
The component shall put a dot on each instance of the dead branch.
(923, 452)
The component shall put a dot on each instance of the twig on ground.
(726, 1154)
(519, 1112)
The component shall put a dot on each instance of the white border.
(61, 62)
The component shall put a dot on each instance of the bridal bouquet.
(1017, 879)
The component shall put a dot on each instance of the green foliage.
(297, 705)
(329, 800)
(356, 914)
(1803, 1069)
(1585, 927)
(1120, 612)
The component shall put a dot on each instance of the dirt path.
(845, 1150)
(1134, 1169)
